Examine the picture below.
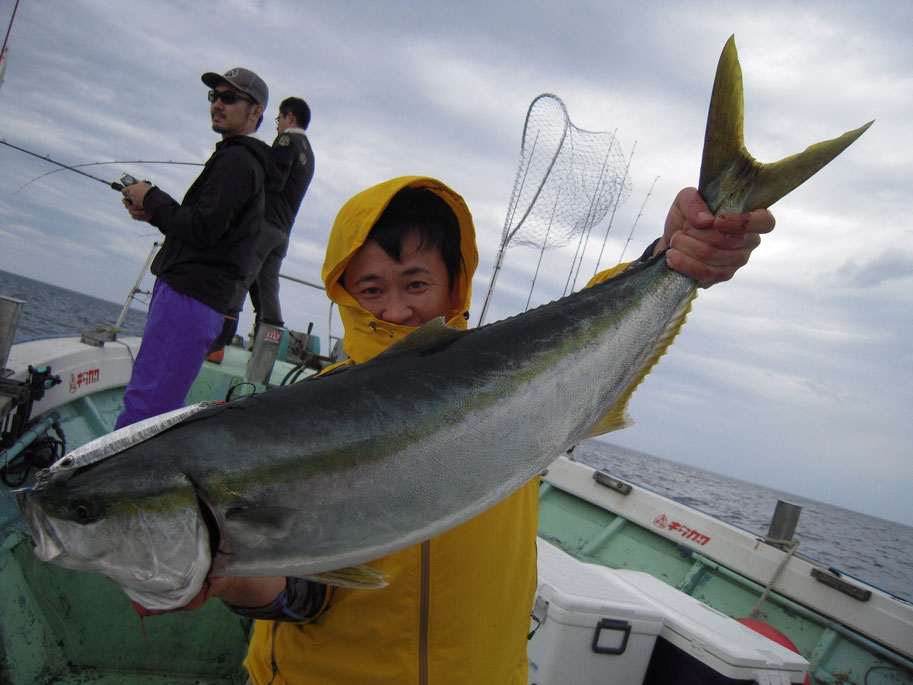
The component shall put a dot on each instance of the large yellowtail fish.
(325, 475)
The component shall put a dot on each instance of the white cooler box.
(587, 628)
(699, 645)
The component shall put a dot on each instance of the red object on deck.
(771, 633)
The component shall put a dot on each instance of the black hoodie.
(210, 237)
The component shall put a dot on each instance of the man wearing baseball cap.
(243, 80)
(210, 238)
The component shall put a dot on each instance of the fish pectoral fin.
(613, 420)
(616, 417)
(359, 577)
(269, 522)
(731, 180)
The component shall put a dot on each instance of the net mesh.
(567, 179)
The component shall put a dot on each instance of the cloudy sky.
(797, 375)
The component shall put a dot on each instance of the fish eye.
(83, 512)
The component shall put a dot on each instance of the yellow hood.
(365, 336)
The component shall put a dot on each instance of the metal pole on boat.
(605, 239)
(783, 524)
(135, 289)
(9, 28)
(636, 219)
(10, 310)
(318, 286)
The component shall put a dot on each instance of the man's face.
(410, 292)
(283, 121)
(237, 118)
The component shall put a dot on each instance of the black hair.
(424, 213)
(297, 108)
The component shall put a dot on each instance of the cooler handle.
(614, 625)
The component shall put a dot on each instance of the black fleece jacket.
(211, 236)
(294, 160)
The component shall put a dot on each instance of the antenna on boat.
(588, 222)
(566, 181)
(634, 225)
(614, 209)
(4, 52)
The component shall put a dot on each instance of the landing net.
(567, 181)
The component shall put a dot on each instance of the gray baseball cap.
(243, 79)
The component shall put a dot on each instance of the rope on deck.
(790, 547)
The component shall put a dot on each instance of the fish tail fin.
(731, 179)
(779, 178)
(617, 417)
(360, 577)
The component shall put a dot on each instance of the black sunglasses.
(229, 97)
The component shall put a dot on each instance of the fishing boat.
(634, 587)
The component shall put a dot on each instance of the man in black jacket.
(293, 158)
(210, 238)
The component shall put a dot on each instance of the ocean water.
(50, 310)
(871, 549)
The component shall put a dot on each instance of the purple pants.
(178, 332)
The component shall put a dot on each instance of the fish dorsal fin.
(731, 180)
(617, 417)
(359, 577)
(434, 332)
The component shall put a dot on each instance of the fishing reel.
(125, 180)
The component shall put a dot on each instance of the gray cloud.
(884, 268)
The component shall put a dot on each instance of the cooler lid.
(701, 630)
(575, 587)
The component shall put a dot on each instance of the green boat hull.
(596, 535)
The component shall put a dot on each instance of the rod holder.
(783, 524)
(10, 310)
(264, 353)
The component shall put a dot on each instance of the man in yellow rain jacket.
(457, 607)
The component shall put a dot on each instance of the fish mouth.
(157, 573)
(48, 547)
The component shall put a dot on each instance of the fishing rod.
(9, 28)
(114, 161)
(125, 180)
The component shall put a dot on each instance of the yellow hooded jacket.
(457, 607)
